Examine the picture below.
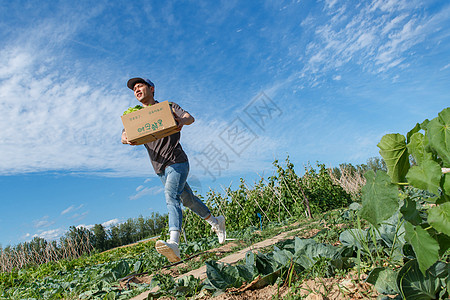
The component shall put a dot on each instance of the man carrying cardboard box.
(172, 167)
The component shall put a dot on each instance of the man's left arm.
(185, 119)
(181, 116)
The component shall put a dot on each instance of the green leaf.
(122, 269)
(266, 280)
(424, 124)
(439, 269)
(392, 232)
(425, 247)
(283, 257)
(415, 285)
(379, 198)
(446, 185)
(265, 264)
(395, 154)
(110, 296)
(412, 131)
(353, 238)
(438, 132)
(308, 250)
(444, 243)
(410, 212)
(137, 266)
(384, 280)
(426, 176)
(439, 218)
(417, 148)
(247, 272)
(222, 276)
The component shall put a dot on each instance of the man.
(172, 167)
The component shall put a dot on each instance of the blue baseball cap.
(133, 81)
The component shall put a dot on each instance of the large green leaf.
(384, 280)
(266, 264)
(395, 154)
(425, 247)
(122, 269)
(417, 148)
(221, 276)
(379, 198)
(438, 132)
(411, 132)
(312, 249)
(308, 250)
(354, 238)
(410, 212)
(426, 176)
(439, 218)
(283, 257)
(415, 285)
(391, 231)
(250, 263)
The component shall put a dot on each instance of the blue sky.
(315, 80)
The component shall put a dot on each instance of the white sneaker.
(219, 229)
(169, 249)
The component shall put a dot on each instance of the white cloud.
(67, 210)
(43, 222)
(378, 37)
(106, 224)
(71, 208)
(393, 24)
(69, 123)
(445, 67)
(330, 3)
(51, 235)
(85, 226)
(144, 191)
(79, 216)
(110, 223)
(389, 5)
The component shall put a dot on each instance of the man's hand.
(187, 119)
(179, 122)
(125, 139)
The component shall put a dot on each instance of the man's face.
(143, 93)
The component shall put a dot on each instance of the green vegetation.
(80, 241)
(280, 199)
(132, 109)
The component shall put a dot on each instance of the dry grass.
(23, 255)
(351, 182)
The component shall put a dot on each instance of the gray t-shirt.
(167, 151)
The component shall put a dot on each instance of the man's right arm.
(124, 137)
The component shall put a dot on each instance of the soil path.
(230, 259)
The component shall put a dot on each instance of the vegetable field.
(364, 232)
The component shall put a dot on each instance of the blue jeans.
(177, 192)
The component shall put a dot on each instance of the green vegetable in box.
(132, 109)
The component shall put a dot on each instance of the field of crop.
(343, 233)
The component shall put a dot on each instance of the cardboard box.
(150, 123)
